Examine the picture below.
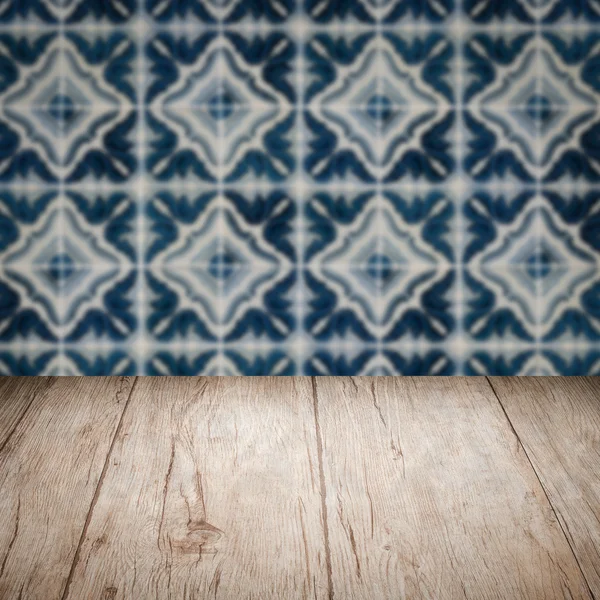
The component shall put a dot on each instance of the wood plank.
(430, 496)
(49, 471)
(558, 422)
(16, 395)
(212, 491)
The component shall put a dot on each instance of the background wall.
(276, 187)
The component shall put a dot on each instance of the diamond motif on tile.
(61, 114)
(219, 269)
(62, 267)
(220, 102)
(379, 117)
(539, 272)
(67, 108)
(220, 115)
(539, 114)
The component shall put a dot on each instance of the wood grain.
(429, 495)
(212, 491)
(558, 422)
(16, 396)
(49, 471)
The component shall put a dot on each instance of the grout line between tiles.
(140, 193)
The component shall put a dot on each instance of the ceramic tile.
(279, 187)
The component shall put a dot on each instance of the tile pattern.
(299, 187)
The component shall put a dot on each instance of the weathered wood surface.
(429, 495)
(190, 488)
(212, 491)
(49, 472)
(16, 396)
(558, 422)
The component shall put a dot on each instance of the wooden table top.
(299, 487)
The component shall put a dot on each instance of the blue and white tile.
(529, 12)
(571, 361)
(571, 253)
(221, 266)
(93, 361)
(373, 361)
(68, 107)
(530, 361)
(256, 361)
(530, 272)
(182, 362)
(221, 107)
(531, 107)
(266, 12)
(252, 361)
(27, 361)
(379, 107)
(51, 12)
(500, 275)
(379, 266)
(380, 11)
(499, 361)
(68, 268)
(40, 359)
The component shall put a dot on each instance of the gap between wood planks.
(323, 487)
(559, 521)
(97, 492)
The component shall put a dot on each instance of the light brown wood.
(558, 422)
(16, 396)
(238, 488)
(49, 471)
(429, 495)
(213, 491)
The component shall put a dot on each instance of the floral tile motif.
(286, 187)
